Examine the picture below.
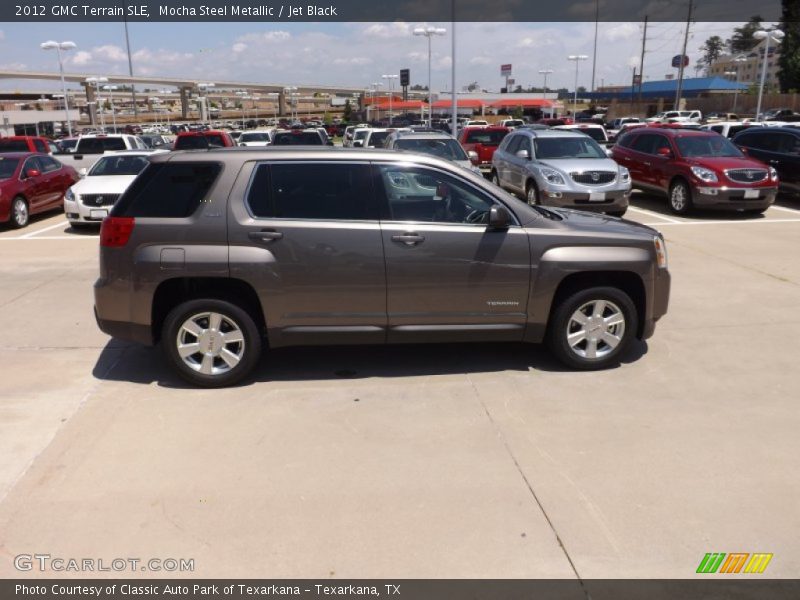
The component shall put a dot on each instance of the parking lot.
(414, 461)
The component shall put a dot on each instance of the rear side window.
(171, 190)
(100, 145)
(191, 142)
(312, 191)
(13, 146)
(41, 146)
(303, 138)
(49, 164)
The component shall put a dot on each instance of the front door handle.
(646, 164)
(409, 238)
(267, 235)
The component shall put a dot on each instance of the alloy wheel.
(210, 343)
(595, 329)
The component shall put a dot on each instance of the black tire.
(561, 327)
(617, 213)
(754, 212)
(77, 226)
(231, 313)
(679, 186)
(19, 218)
(532, 194)
(495, 179)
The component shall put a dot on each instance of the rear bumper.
(731, 198)
(125, 331)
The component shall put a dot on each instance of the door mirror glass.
(472, 155)
(499, 217)
(523, 153)
(82, 172)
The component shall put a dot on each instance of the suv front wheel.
(591, 328)
(680, 197)
(211, 342)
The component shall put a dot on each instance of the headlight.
(624, 174)
(704, 174)
(773, 174)
(661, 251)
(552, 177)
(69, 195)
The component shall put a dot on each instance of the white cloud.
(81, 57)
(480, 60)
(110, 53)
(266, 37)
(356, 61)
(397, 29)
(623, 31)
(239, 47)
(2, 35)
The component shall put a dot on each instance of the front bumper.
(77, 212)
(733, 198)
(589, 200)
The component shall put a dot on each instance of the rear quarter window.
(13, 146)
(168, 190)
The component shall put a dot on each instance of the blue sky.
(349, 53)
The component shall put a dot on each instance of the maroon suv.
(483, 141)
(696, 169)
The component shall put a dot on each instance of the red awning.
(523, 102)
(460, 103)
(402, 105)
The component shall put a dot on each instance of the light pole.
(111, 89)
(391, 79)
(429, 32)
(95, 82)
(545, 72)
(375, 86)
(738, 60)
(242, 97)
(289, 90)
(577, 58)
(777, 36)
(59, 47)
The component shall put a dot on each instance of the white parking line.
(783, 209)
(653, 214)
(49, 237)
(753, 222)
(38, 231)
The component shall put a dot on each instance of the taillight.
(116, 231)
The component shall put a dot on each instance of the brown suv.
(216, 254)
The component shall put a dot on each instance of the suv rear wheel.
(495, 179)
(211, 342)
(591, 328)
(680, 197)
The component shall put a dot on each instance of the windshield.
(487, 137)
(567, 147)
(376, 139)
(191, 142)
(448, 148)
(254, 137)
(310, 138)
(707, 146)
(595, 133)
(118, 165)
(7, 167)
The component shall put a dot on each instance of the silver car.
(432, 143)
(561, 168)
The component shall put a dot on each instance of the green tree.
(712, 49)
(517, 112)
(789, 73)
(742, 39)
(348, 111)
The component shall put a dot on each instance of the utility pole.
(130, 63)
(641, 62)
(683, 54)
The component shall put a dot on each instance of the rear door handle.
(409, 238)
(266, 235)
(646, 164)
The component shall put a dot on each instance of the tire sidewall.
(495, 179)
(13, 220)
(531, 187)
(252, 339)
(687, 206)
(557, 336)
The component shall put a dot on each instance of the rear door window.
(645, 143)
(323, 191)
(172, 190)
(40, 146)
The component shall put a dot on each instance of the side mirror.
(82, 172)
(523, 154)
(499, 217)
(664, 152)
(472, 155)
(743, 149)
(358, 143)
(32, 173)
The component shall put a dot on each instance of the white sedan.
(255, 138)
(87, 202)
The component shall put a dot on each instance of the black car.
(778, 147)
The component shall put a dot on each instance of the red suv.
(193, 140)
(696, 169)
(26, 143)
(483, 141)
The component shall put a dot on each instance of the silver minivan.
(561, 168)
